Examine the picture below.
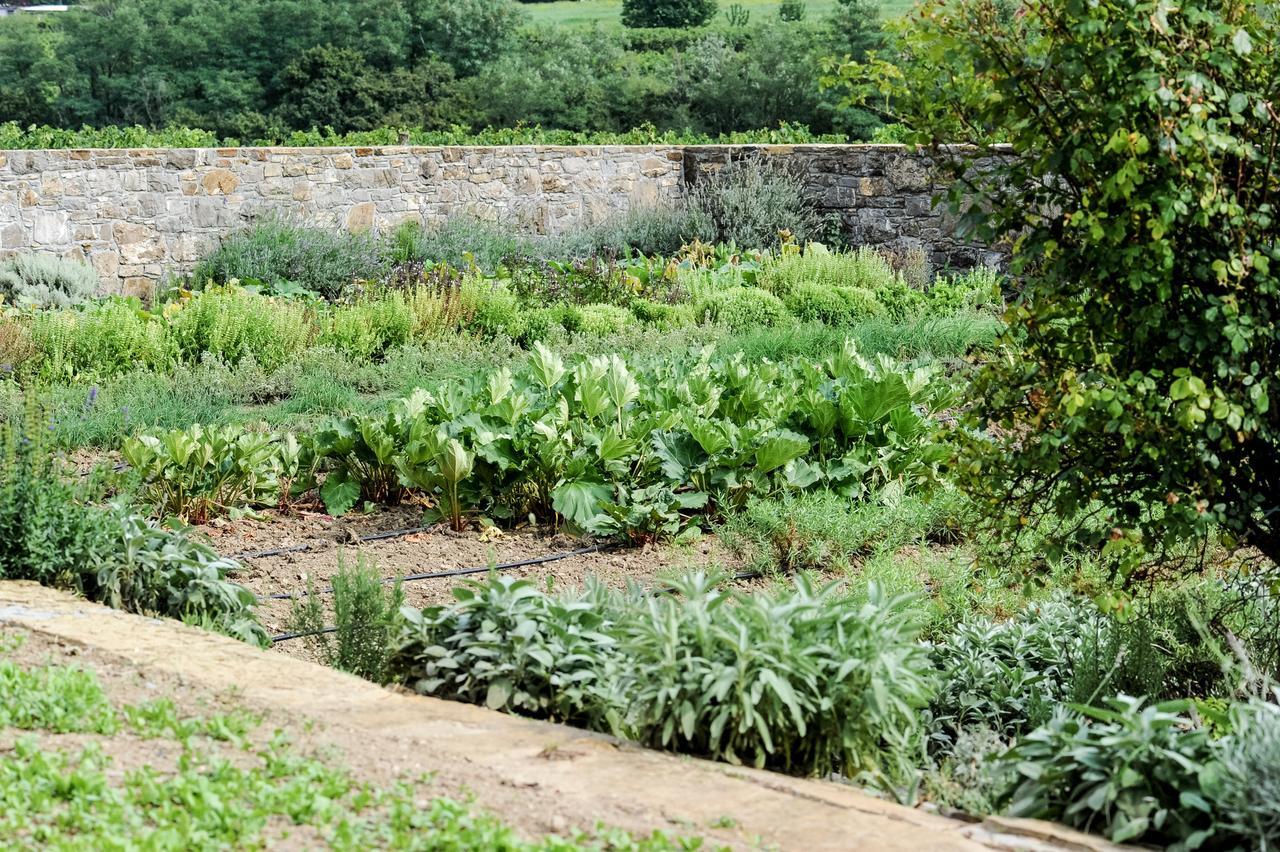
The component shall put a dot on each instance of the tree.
(1132, 411)
(667, 13)
(465, 33)
(333, 87)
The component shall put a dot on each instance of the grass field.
(607, 12)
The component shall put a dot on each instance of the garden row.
(55, 331)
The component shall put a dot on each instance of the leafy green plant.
(1131, 770)
(800, 680)
(60, 699)
(198, 473)
(169, 571)
(742, 308)
(840, 306)
(648, 514)
(46, 281)
(667, 13)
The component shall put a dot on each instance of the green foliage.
(465, 33)
(1148, 429)
(47, 533)
(556, 439)
(202, 472)
(603, 320)
(792, 10)
(817, 265)
(241, 800)
(750, 202)
(800, 680)
(743, 308)
(371, 327)
(235, 326)
(98, 341)
(838, 306)
(46, 281)
(1250, 775)
(60, 699)
(667, 13)
(170, 571)
(1133, 771)
(364, 609)
(278, 254)
(50, 533)
(37, 137)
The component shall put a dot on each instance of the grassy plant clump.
(46, 281)
(817, 265)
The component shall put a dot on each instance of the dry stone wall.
(137, 215)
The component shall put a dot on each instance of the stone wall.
(882, 195)
(136, 215)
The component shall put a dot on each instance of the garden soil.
(540, 778)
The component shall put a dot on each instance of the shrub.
(283, 255)
(662, 314)
(1151, 428)
(751, 202)
(838, 306)
(647, 230)
(364, 614)
(45, 281)
(233, 325)
(497, 310)
(792, 10)
(459, 241)
(742, 308)
(1132, 771)
(603, 320)
(639, 14)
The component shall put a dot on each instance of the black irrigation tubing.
(301, 634)
(458, 572)
(299, 548)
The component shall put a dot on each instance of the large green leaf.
(579, 500)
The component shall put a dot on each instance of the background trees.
(264, 68)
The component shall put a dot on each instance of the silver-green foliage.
(801, 679)
(1250, 773)
(46, 281)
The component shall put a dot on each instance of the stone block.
(219, 182)
(360, 217)
(49, 227)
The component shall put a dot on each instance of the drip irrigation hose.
(299, 548)
(285, 637)
(457, 572)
